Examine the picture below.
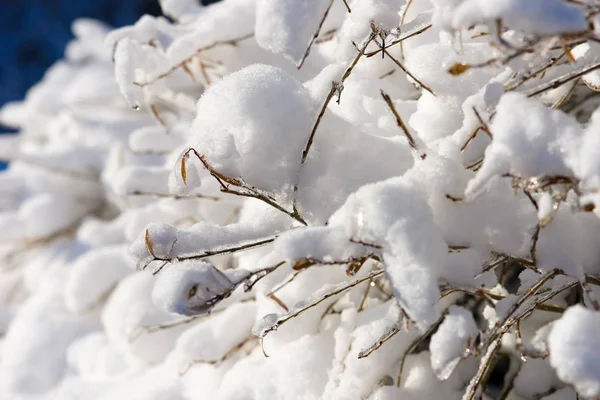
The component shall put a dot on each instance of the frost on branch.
(389, 199)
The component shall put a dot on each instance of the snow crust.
(223, 203)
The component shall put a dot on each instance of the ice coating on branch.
(573, 345)
(318, 243)
(256, 114)
(192, 288)
(452, 341)
(543, 17)
(165, 242)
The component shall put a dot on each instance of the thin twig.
(399, 122)
(246, 190)
(174, 196)
(387, 335)
(402, 18)
(315, 35)
(231, 42)
(553, 84)
(347, 6)
(296, 312)
(407, 72)
(416, 343)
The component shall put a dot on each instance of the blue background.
(34, 33)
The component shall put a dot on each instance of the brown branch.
(407, 72)
(246, 190)
(553, 84)
(347, 6)
(311, 137)
(399, 122)
(315, 35)
(401, 38)
(227, 250)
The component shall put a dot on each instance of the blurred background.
(34, 33)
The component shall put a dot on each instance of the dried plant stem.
(566, 96)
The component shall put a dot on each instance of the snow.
(190, 288)
(257, 113)
(529, 141)
(542, 17)
(279, 211)
(452, 341)
(574, 349)
(94, 275)
(287, 26)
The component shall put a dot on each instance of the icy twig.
(214, 252)
(387, 335)
(553, 84)
(316, 301)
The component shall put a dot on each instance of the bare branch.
(316, 34)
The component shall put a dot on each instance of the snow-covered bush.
(323, 199)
